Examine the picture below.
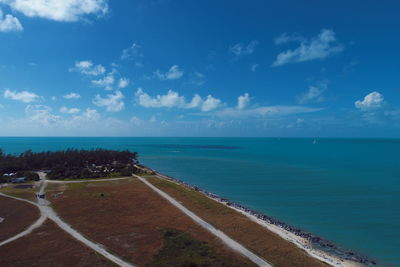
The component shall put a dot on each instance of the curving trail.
(226, 239)
(32, 227)
(75, 234)
(48, 212)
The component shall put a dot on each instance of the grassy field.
(49, 246)
(180, 249)
(17, 216)
(129, 219)
(26, 193)
(252, 235)
(133, 222)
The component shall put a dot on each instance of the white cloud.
(240, 49)
(136, 121)
(112, 103)
(88, 68)
(298, 123)
(72, 96)
(319, 47)
(40, 120)
(198, 78)
(173, 100)
(371, 101)
(9, 23)
(243, 101)
(123, 82)
(314, 94)
(89, 114)
(197, 101)
(265, 111)
(210, 103)
(24, 96)
(173, 73)
(132, 53)
(107, 82)
(41, 114)
(285, 38)
(69, 110)
(65, 10)
(254, 67)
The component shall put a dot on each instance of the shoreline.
(315, 246)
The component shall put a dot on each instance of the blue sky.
(199, 68)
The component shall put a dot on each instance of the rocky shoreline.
(315, 241)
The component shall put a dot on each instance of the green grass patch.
(180, 249)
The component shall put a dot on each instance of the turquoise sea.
(344, 190)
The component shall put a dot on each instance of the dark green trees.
(71, 163)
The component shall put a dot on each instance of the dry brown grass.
(26, 193)
(49, 246)
(127, 218)
(17, 216)
(252, 235)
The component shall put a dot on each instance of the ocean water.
(344, 190)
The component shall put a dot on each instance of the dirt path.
(75, 234)
(226, 239)
(87, 181)
(48, 212)
(32, 227)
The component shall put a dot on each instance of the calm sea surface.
(345, 190)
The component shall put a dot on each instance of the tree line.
(70, 163)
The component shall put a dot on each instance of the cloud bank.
(173, 100)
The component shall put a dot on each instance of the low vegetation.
(180, 249)
(49, 246)
(149, 230)
(16, 215)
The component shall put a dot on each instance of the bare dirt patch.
(128, 219)
(17, 216)
(250, 234)
(49, 246)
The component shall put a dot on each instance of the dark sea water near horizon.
(344, 190)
